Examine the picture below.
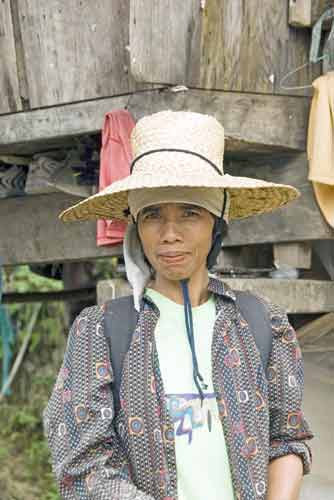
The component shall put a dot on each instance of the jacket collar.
(218, 287)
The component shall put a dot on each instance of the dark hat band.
(174, 151)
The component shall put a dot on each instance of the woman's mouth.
(171, 258)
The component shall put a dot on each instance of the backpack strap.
(257, 316)
(120, 319)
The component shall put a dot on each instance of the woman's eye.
(151, 215)
(191, 213)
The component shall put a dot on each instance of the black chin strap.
(219, 231)
(198, 379)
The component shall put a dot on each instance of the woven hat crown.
(174, 149)
(184, 130)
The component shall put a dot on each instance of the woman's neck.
(198, 289)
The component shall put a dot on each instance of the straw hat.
(181, 148)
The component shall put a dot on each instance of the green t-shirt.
(203, 470)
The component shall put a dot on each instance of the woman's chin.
(176, 275)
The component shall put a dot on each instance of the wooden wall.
(63, 51)
(238, 45)
(56, 51)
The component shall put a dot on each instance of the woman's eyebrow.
(152, 208)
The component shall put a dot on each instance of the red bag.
(115, 161)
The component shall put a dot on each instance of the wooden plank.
(112, 289)
(75, 50)
(149, 44)
(300, 13)
(9, 83)
(300, 220)
(294, 296)
(297, 255)
(316, 329)
(46, 239)
(325, 252)
(34, 234)
(235, 45)
(253, 123)
(75, 295)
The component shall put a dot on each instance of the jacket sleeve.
(289, 430)
(87, 456)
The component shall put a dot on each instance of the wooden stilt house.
(64, 64)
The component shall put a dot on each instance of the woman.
(200, 417)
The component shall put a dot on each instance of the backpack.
(120, 319)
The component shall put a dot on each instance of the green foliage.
(25, 468)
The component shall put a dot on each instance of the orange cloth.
(320, 144)
(116, 157)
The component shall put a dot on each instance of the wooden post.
(297, 255)
(300, 13)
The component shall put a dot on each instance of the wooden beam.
(318, 349)
(300, 13)
(297, 255)
(316, 329)
(325, 251)
(32, 233)
(300, 220)
(77, 295)
(294, 296)
(253, 123)
(112, 289)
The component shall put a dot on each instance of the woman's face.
(176, 239)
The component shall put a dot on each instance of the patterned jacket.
(102, 456)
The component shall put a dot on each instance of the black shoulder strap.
(257, 317)
(120, 319)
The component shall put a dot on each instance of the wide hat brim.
(248, 196)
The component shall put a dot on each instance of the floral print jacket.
(102, 456)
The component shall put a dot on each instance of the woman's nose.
(170, 231)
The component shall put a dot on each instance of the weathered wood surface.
(300, 13)
(300, 220)
(112, 289)
(233, 45)
(294, 296)
(74, 295)
(325, 252)
(30, 232)
(316, 329)
(9, 83)
(305, 13)
(297, 255)
(75, 50)
(253, 123)
(46, 239)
